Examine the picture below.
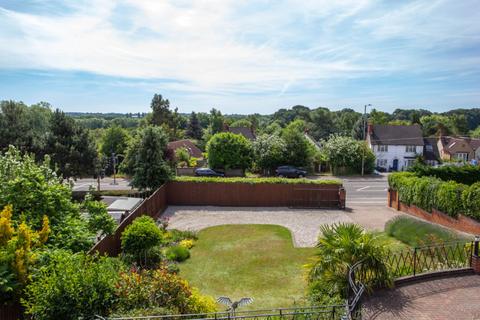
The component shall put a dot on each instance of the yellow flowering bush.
(187, 243)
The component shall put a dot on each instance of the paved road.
(366, 191)
(105, 184)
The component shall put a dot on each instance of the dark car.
(207, 172)
(290, 172)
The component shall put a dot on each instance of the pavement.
(453, 297)
(105, 184)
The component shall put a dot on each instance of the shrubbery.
(227, 150)
(178, 253)
(256, 180)
(467, 174)
(430, 193)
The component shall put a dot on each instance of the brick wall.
(461, 223)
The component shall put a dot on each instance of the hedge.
(467, 174)
(428, 192)
(255, 180)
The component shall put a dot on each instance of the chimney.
(369, 128)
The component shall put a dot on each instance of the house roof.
(187, 144)
(450, 143)
(244, 131)
(397, 135)
(430, 149)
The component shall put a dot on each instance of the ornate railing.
(331, 312)
(434, 258)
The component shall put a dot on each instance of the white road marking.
(360, 189)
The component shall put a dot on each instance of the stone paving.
(456, 297)
(303, 223)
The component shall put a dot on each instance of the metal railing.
(434, 258)
(330, 312)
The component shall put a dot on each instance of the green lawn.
(257, 261)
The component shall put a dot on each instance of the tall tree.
(114, 139)
(216, 121)
(322, 123)
(194, 130)
(161, 113)
(14, 126)
(269, 152)
(70, 146)
(298, 150)
(145, 159)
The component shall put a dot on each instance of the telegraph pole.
(364, 129)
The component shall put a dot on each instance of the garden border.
(461, 223)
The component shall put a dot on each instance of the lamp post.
(364, 129)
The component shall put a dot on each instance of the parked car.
(290, 172)
(207, 172)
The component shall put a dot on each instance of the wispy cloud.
(232, 48)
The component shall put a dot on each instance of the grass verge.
(414, 232)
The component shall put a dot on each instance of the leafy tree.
(269, 152)
(273, 128)
(229, 151)
(340, 246)
(161, 113)
(241, 123)
(344, 120)
(475, 133)
(35, 191)
(72, 286)
(298, 149)
(378, 117)
(194, 129)
(99, 220)
(145, 159)
(216, 121)
(70, 146)
(437, 125)
(114, 139)
(14, 126)
(345, 153)
(322, 123)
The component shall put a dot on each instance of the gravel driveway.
(304, 224)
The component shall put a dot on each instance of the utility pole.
(114, 164)
(364, 129)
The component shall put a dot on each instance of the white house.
(395, 147)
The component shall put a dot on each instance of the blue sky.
(241, 56)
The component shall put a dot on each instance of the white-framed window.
(382, 148)
(382, 163)
(410, 149)
(409, 162)
(463, 156)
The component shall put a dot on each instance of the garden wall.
(255, 194)
(461, 223)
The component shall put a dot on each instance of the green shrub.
(227, 150)
(471, 201)
(72, 286)
(449, 198)
(255, 180)
(416, 233)
(142, 235)
(467, 174)
(175, 236)
(177, 253)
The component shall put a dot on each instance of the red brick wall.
(462, 223)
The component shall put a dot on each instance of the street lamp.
(364, 129)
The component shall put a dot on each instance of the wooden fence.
(152, 206)
(11, 312)
(227, 194)
(255, 195)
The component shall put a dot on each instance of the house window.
(410, 149)
(409, 162)
(382, 163)
(382, 148)
(463, 156)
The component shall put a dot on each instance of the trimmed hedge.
(467, 174)
(255, 180)
(427, 193)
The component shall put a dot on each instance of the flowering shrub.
(187, 243)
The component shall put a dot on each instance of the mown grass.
(257, 261)
(414, 232)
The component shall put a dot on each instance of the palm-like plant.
(340, 247)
